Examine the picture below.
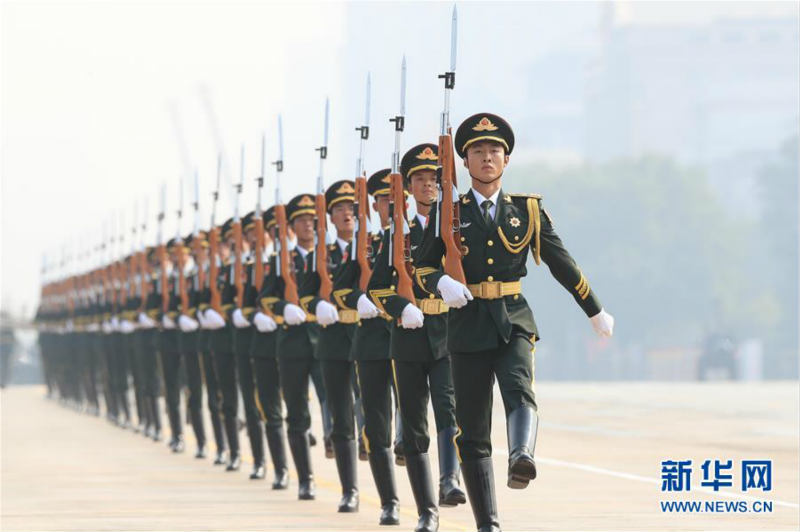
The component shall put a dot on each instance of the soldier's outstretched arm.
(563, 267)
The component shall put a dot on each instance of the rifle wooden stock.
(144, 276)
(290, 293)
(259, 253)
(450, 220)
(321, 252)
(399, 249)
(362, 200)
(122, 276)
(213, 270)
(162, 258)
(238, 269)
(182, 288)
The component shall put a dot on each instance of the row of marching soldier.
(427, 309)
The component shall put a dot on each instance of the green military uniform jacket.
(293, 340)
(423, 344)
(497, 252)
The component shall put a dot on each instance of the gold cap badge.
(346, 188)
(306, 201)
(484, 124)
(427, 154)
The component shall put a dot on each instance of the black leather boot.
(522, 425)
(177, 444)
(450, 492)
(479, 480)
(219, 438)
(380, 462)
(199, 432)
(419, 476)
(301, 453)
(346, 456)
(256, 437)
(232, 431)
(154, 406)
(277, 449)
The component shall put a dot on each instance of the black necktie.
(486, 205)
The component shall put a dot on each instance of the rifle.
(284, 264)
(197, 245)
(181, 262)
(449, 227)
(398, 251)
(122, 267)
(258, 253)
(238, 270)
(361, 204)
(162, 250)
(321, 233)
(144, 270)
(213, 248)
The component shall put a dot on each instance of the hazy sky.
(87, 89)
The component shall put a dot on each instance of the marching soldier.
(199, 295)
(371, 353)
(170, 348)
(244, 333)
(147, 339)
(491, 330)
(334, 347)
(420, 356)
(189, 345)
(264, 354)
(221, 343)
(297, 337)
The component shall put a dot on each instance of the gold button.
(490, 260)
(490, 243)
(330, 275)
(431, 296)
(411, 260)
(383, 300)
(359, 324)
(516, 296)
(285, 327)
(516, 237)
(392, 287)
(490, 278)
(463, 239)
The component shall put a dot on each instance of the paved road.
(599, 453)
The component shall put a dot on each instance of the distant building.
(700, 93)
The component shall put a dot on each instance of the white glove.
(293, 314)
(264, 323)
(126, 327)
(454, 294)
(412, 317)
(69, 327)
(603, 323)
(366, 308)
(114, 324)
(213, 320)
(167, 322)
(93, 327)
(145, 321)
(202, 320)
(239, 321)
(107, 327)
(187, 324)
(326, 313)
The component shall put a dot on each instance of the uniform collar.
(479, 198)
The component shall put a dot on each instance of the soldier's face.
(381, 205)
(486, 161)
(423, 186)
(224, 250)
(303, 227)
(342, 217)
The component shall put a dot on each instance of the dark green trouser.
(294, 376)
(416, 382)
(337, 375)
(171, 365)
(473, 378)
(376, 383)
(247, 385)
(269, 390)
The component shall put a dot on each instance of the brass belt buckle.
(491, 289)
